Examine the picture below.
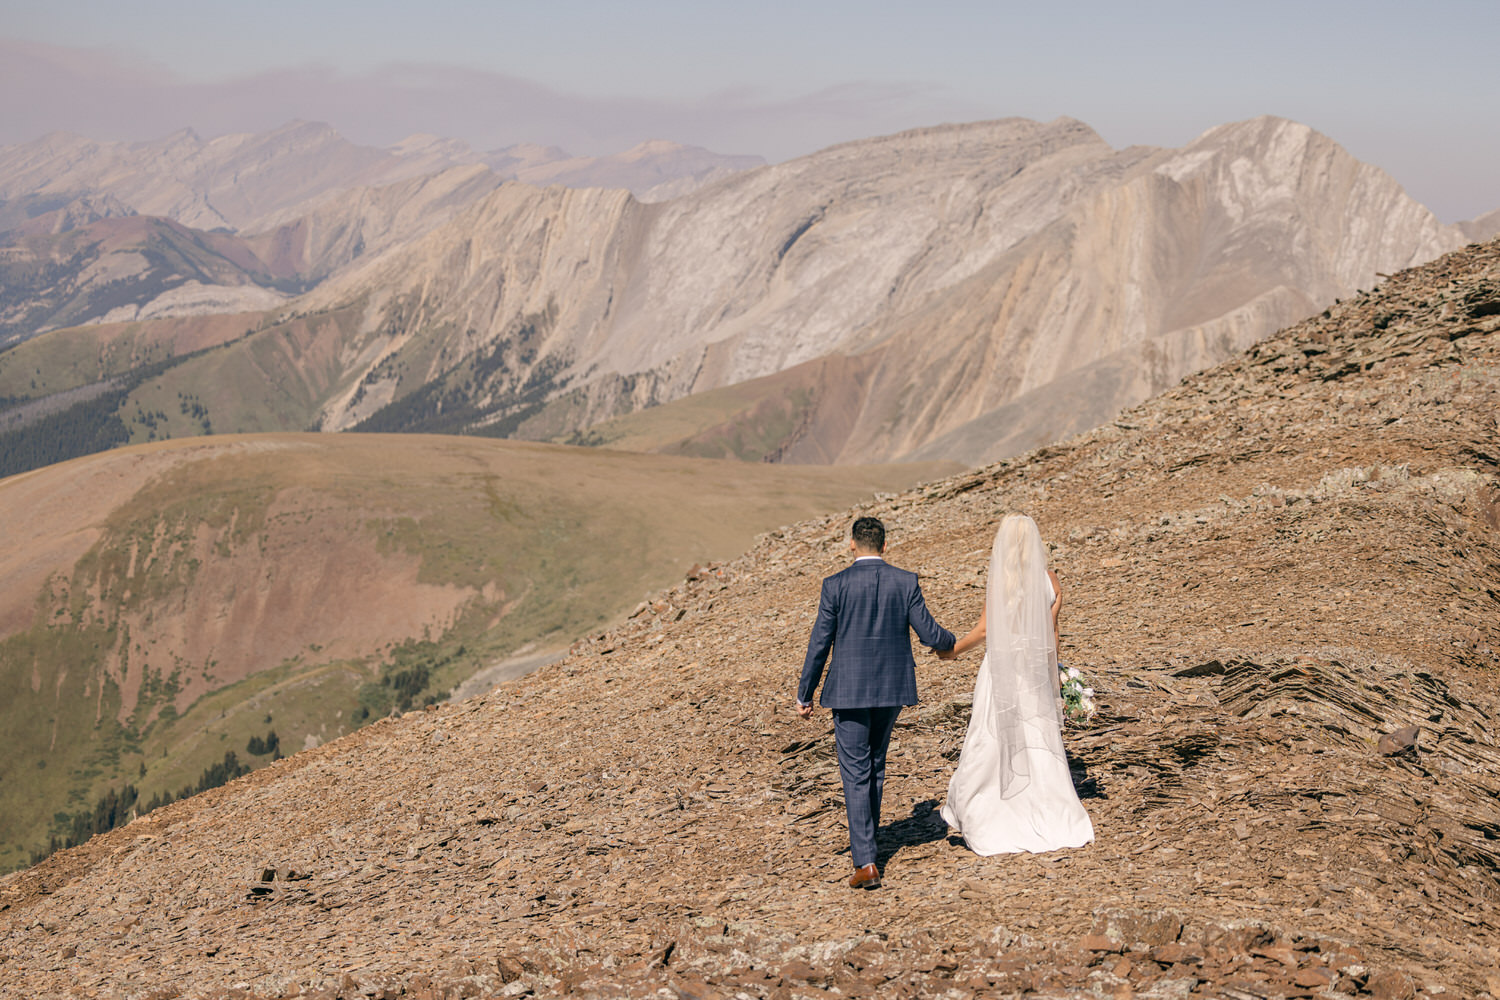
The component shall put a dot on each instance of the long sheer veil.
(1023, 715)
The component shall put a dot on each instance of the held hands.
(946, 654)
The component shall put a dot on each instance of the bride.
(1012, 790)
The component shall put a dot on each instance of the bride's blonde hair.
(1020, 653)
(1016, 546)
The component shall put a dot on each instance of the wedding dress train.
(1012, 790)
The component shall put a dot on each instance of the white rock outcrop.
(194, 298)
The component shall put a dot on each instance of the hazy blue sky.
(1413, 88)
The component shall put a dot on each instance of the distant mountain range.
(270, 215)
(961, 292)
(249, 183)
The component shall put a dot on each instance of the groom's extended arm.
(818, 645)
(933, 635)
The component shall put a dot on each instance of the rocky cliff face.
(1194, 256)
(1282, 577)
(961, 293)
(304, 202)
(95, 261)
(86, 266)
(1485, 227)
(1002, 283)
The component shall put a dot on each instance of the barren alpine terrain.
(1282, 577)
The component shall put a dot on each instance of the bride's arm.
(974, 638)
(1056, 607)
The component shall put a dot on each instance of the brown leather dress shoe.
(867, 877)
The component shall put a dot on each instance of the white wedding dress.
(1012, 790)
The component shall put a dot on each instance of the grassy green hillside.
(162, 604)
(265, 373)
(81, 390)
(67, 359)
(785, 416)
(273, 379)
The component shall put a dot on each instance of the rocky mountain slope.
(78, 266)
(313, 200)
(957, 293)
(164, 604)
(1485, 227)
(1282, 577)
(947, 273)
(128, 267)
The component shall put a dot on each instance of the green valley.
(166, 603)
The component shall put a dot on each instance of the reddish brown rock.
(1391, 984)
(1174, 953)
(1280, 953)
(1247, 655)
(1101, 942)
(1137, 929)
(1403, 740)
(1313, 977)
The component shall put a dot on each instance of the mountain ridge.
(248, 182)
(1281, 577)
(756, 274)
(1010, 273)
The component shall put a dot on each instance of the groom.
(863, 617)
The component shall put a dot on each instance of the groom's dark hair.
(869, 534)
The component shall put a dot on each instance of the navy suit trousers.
(863, 735)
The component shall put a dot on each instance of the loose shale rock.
(1282, 578)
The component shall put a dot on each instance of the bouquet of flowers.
(1078, 700)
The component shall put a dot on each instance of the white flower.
(1088, 692)
(1072, 673)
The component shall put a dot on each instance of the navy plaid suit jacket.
(863, 619)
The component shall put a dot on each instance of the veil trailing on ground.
(1023, 714)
